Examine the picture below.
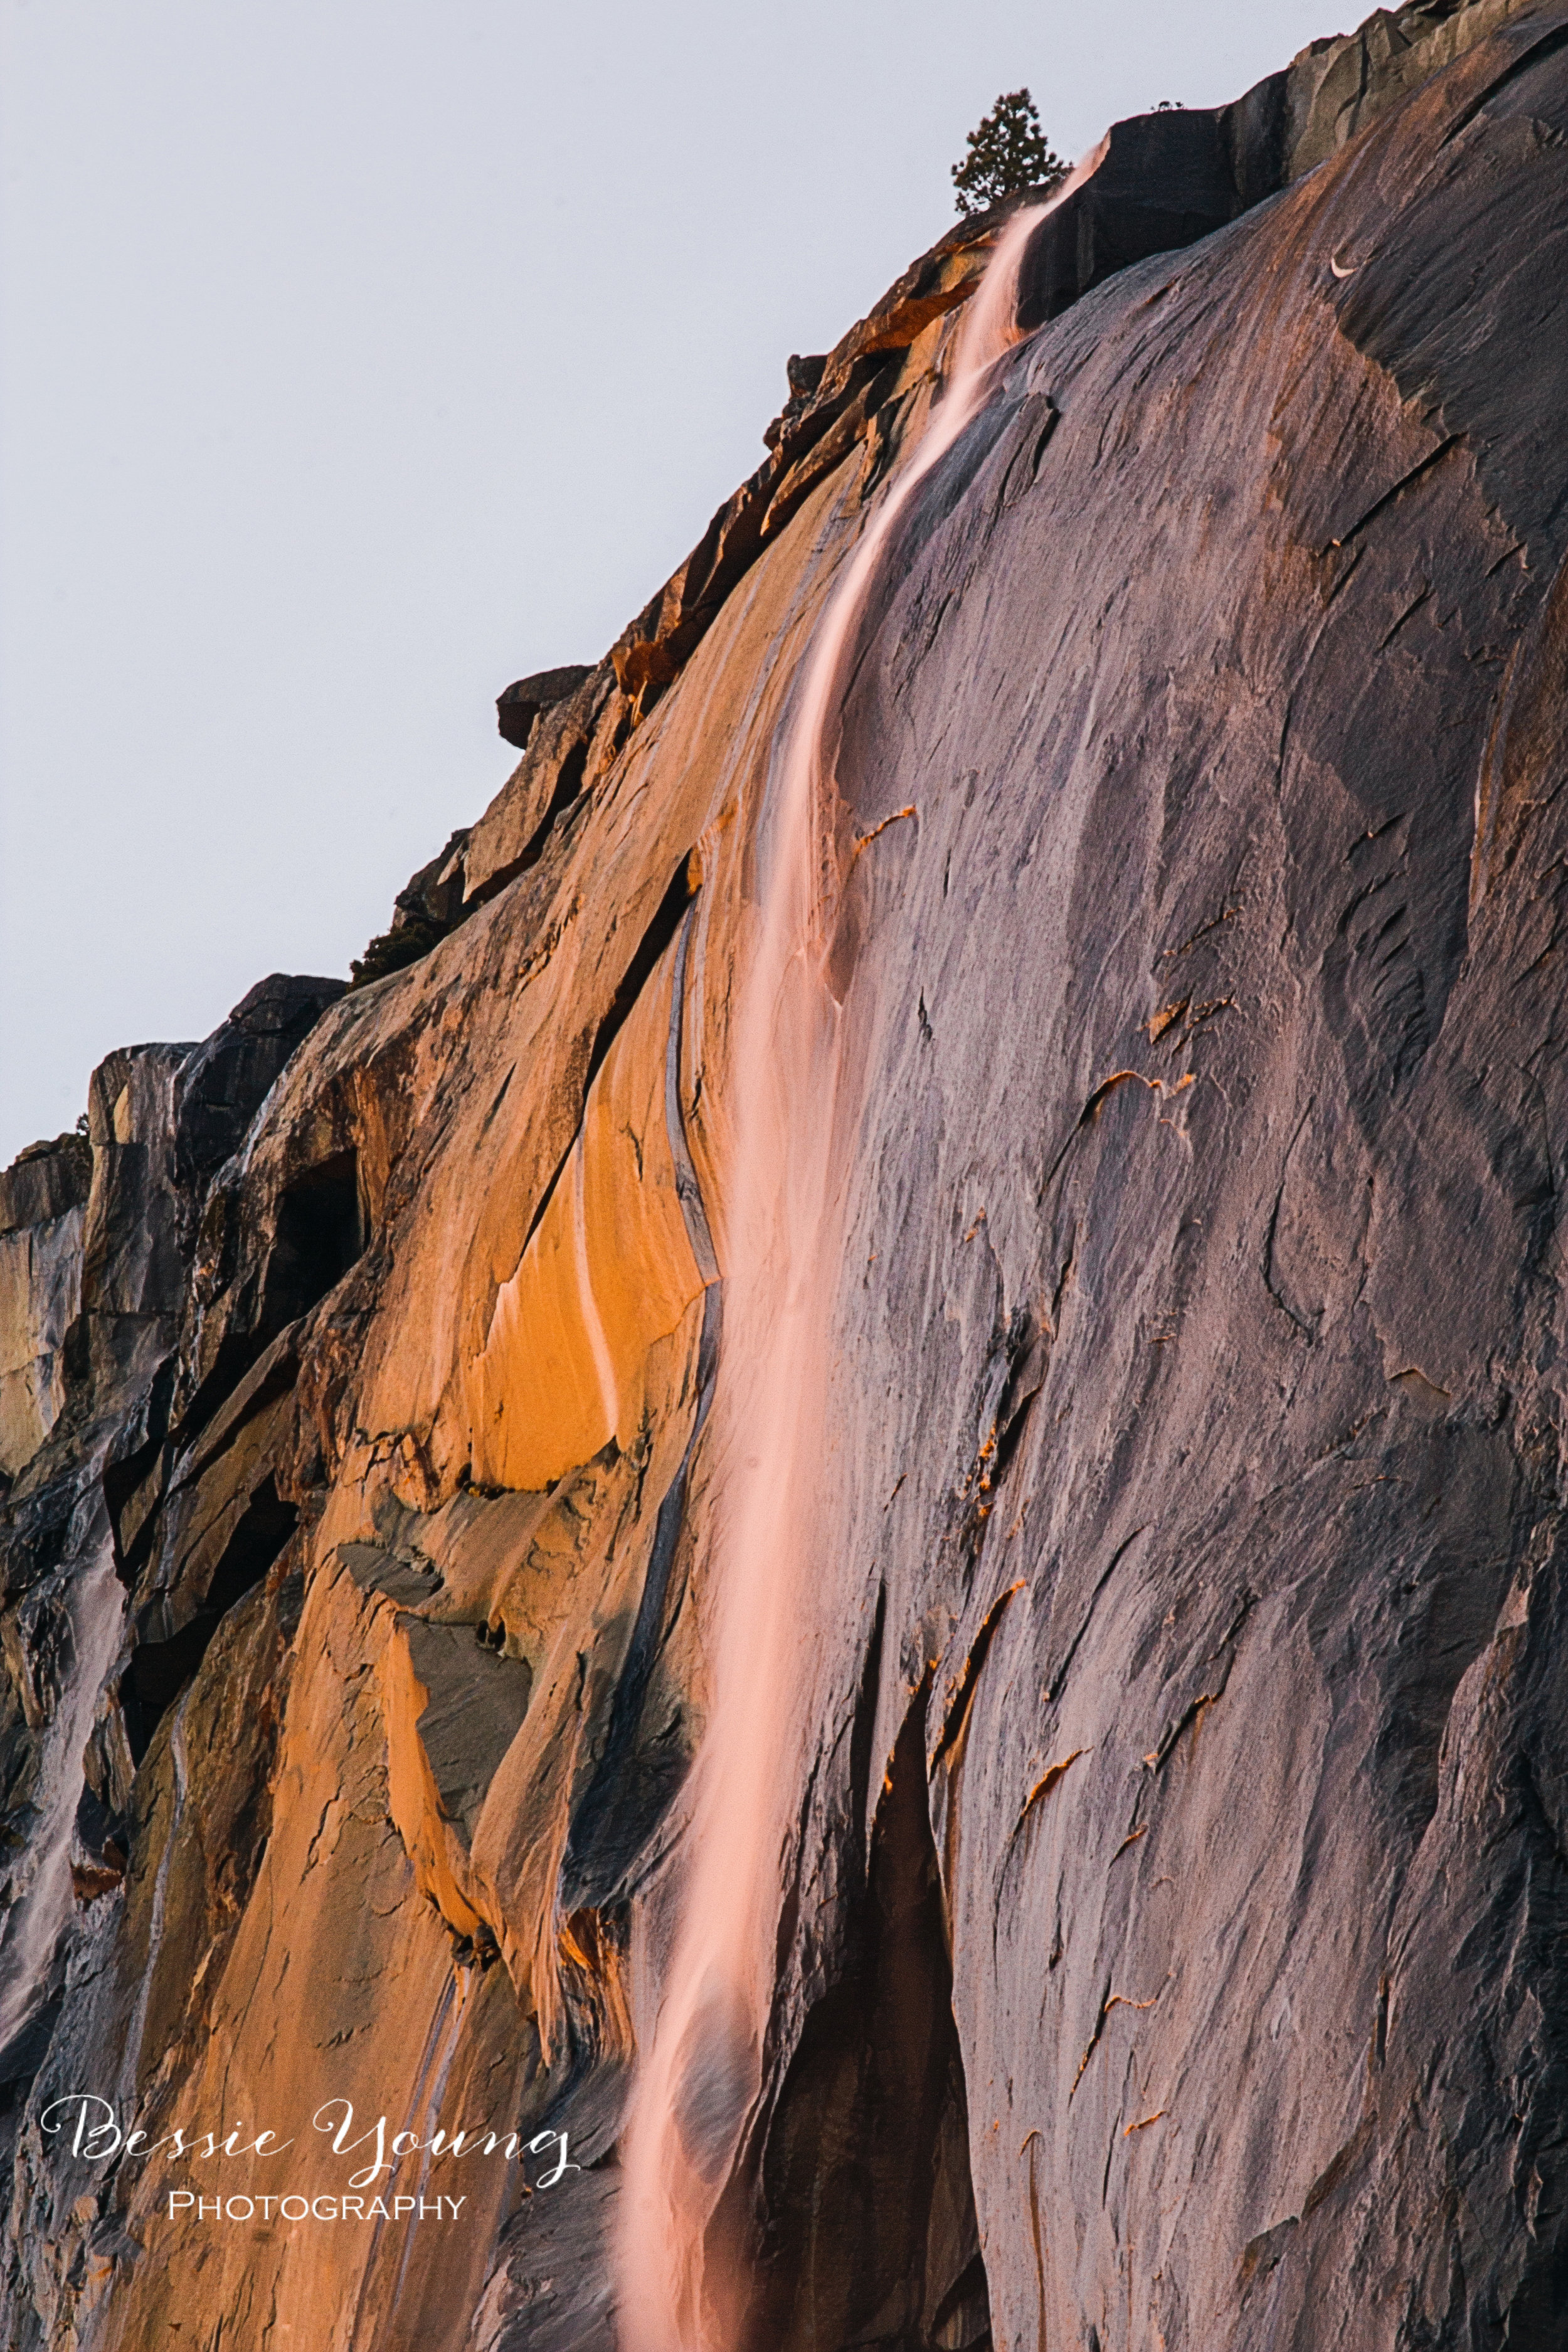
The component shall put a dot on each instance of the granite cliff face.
(1170, 1846)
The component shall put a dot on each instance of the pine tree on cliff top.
(1007, 153)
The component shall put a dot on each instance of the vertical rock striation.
(1170, 1887)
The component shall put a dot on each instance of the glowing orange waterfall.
(700, 2078)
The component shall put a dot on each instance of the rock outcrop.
(1171, 1860)
(517, 708)
(42, 1196)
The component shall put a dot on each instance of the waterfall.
(41, 1905)
(681, 2290)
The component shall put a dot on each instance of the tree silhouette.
(1008, 152)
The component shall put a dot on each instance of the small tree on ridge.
(1007, 153)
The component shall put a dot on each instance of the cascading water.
(679, 2290)
(41, 1905)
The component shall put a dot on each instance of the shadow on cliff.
(870, 2233)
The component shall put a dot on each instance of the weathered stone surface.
(425, 910)
(45, 1181)
(1336, 87)
(225, 1081)
(435, 895)
(43, 1195)
(570, 747)
(1170, 1883)
(517, 708)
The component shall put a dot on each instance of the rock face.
(1170, 1884)
(520, 705)
(42, 1196)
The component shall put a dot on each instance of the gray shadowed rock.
(45, 1181)
(428, 906)
(435, 894)
(225, 1081)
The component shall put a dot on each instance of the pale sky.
(357, 356)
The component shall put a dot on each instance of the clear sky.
(359, 355)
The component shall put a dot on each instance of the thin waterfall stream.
(699, 2080)
(41, 1899)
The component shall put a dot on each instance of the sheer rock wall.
(1172, 1945)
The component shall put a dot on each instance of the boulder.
(519, 706)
